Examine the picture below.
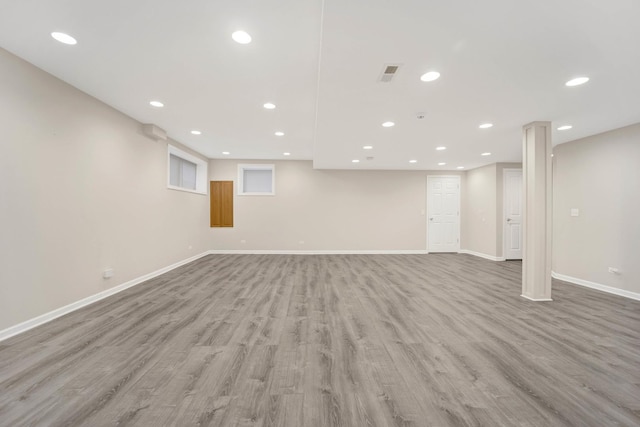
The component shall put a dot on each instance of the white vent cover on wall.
(389, 71)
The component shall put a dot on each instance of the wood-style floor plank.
(331, 340)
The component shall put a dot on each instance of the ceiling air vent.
(388, 72)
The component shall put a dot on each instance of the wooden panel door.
(221, 195)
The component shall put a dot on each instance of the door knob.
(431, 219)
(508, 219)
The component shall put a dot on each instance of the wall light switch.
(575, 212)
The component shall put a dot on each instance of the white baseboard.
(536, 299)
(597, 286)
(481, 255)
(47, 317)
(317, 252)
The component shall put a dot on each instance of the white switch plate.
(575, 212)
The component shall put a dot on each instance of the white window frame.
(245, 166)
(201, 170)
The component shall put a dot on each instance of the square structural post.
(536, 236)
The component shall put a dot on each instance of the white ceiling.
(501, 61)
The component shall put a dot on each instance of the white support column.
(536, 177)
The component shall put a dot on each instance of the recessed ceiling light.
(269, 106)
(460, 167)
(241, 37)
(486, 125)
(441, 148)
(279, 133)
(286, 154)
(226, 153)
(156, 104)
(565, 127)
(485, 154)
(441, 164)
(577, 81)
(64, 38)
(413, 161)
(367, 147)
(430, 76)
(196, 132)
(355, 161)
(388, 124)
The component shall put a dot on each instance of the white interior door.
(443, 213)
(513, 213)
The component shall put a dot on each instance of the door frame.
(504, 208)
(458, 177)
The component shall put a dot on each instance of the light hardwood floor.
(357, 340)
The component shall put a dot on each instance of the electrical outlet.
(614, 270)
(108, 273)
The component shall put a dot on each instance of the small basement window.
(256, 180)
(186, 172)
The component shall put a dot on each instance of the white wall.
(600, 176)
(479, 211)
(80, 190)
(327, 209)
